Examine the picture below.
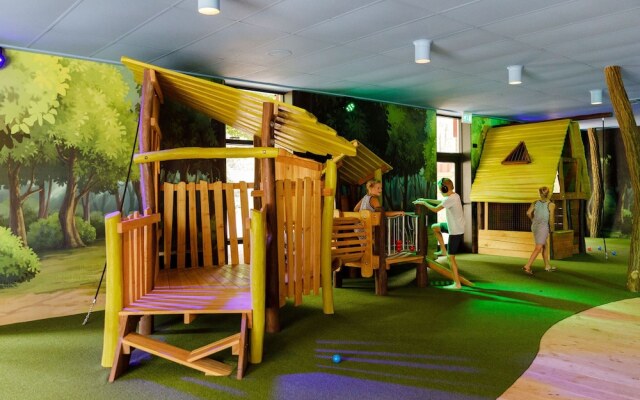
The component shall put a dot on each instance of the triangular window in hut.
(519, 155)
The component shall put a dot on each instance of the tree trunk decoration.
(595, 209)
(631, 139)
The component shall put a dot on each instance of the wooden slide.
(444, 271)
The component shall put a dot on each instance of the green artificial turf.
(412, 344)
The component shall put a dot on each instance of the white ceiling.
(362, 48)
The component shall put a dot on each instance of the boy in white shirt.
(452, 204)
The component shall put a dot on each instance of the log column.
(631, 139)
(268, 179)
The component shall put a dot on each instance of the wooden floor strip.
(591, 355)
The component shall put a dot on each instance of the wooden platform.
(197, 290)
(591, 355)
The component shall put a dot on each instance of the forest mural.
(66, 133)
(402, 136)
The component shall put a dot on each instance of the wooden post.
(631, 139)
(146, 181)
(380, 241)
(113, 302)
(258, 288)
(330, 180)
(422, 278)
(269, 204)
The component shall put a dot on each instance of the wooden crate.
(562, 244)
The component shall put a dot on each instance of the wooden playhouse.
(516, 160)
(220, 247)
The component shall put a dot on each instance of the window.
(448, 131)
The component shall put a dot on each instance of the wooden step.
(215, 347)
(176, 354)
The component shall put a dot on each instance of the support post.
(330, 181)
(269, 205)
(113, 298)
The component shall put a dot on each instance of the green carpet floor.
(430, 343)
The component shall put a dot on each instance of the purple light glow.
(408, 364)
(329, 386)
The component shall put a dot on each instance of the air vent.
(519, 155)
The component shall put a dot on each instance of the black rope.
(124, 195)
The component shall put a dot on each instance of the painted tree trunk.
(70, 235)
(631, 139)
(86, 207)
(597, 196)
(16, 216)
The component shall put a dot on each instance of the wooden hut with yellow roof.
(517, 160)
(220, 247)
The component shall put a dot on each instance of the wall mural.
(402, 136)
(66, 133)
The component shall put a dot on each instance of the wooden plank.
(444, 271)
(306, 226)
(505, 253)
(219, 221)
(231, 221)
(205, 223)
(177, 355)
(246, 225)
(139, 222)
(214, 347)
(281, 224)
(317, 226)
(181, 224)
(288, 198)
(167, 230)
(243, 345)
(193, 225)
(299, 244)
(126, 267)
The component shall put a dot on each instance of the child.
(370, 201)
(540, 213)
(455, 223)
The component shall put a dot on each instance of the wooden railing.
(138, 255)
(199, 218)
(298, 204)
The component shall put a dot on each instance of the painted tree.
(597, 196)
(405, 149)
(631, 139)
(30, 89)
(93, 136)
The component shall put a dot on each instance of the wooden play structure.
(516, 160)
(220, 247)
(374, 241)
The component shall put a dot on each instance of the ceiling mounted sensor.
(423, 51)
(596, 96)
(209, 7)
(515, 74)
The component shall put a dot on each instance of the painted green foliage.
(29, 94)
(83, 138)
(478, 129)
(402, 136)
